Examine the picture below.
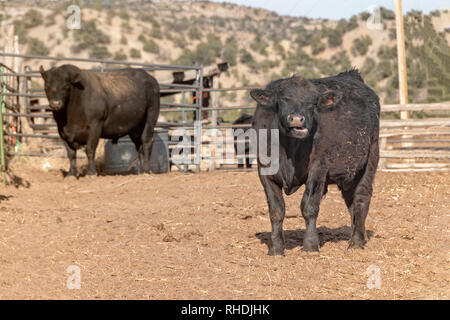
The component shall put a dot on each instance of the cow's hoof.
(311, 245)
(70, 175)
(356, 243)
(91, 173)
(276, 251)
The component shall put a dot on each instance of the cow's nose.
(295, 120)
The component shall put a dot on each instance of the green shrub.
(99, 52)
(361, 45)
(37, 47)
(195, 33)
(384, 69)
(156, 33)
(368, 65)
(89, 37)
(230, 51)
(317, 46)
(387, 53)
(135, 53)
(267, 64)
(32, 18)
(180, 42)
(364, 15)
(120, 56)
(279, 49)
(334, 38)
(214, 43)
(151, 46)
(50, 20)
(295, 60)
(259, 45)
(303, 36)
(126, 27)
(352, 23)
(387, 14)
(123, 14)
(186, 58)
(341, 60)
(246, 57)
(203, 55)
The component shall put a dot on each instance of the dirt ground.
(205, 236)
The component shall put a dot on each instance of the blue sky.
(337, 9)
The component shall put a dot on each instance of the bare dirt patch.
(205, 236)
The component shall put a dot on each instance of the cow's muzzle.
(55, 104)
(296, 125)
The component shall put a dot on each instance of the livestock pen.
(205, 235)
(412, 144)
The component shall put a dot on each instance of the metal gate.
(28, 119)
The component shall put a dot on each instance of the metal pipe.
(166, 67)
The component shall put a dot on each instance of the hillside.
(259, 45)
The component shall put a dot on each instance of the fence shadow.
(3, 197)
(294, 238)
(16, 181)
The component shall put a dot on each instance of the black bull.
(88, 106)
(328, 134)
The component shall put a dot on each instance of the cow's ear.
(263, 97)
(328, 100)
(43, 73)
(77, 81)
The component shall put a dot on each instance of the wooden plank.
(433, 122)
(440, 106)
(416, 170)
(417, 165)
(439, 131)
(415, 154)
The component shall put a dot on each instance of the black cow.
(88, 106)
(328, 134)
(243, 119)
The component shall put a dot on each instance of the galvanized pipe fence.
(33, 119)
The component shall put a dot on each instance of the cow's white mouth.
(55, 104)
(298, 132)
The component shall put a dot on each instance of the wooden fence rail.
(416, 144)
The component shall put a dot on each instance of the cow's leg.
(153, 106)
(95, 131)
(358, 200)
(136, 138)
(72, 154)
(315, 186)
(147, 144)
(277, 212)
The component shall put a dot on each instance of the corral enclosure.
(205, 235)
